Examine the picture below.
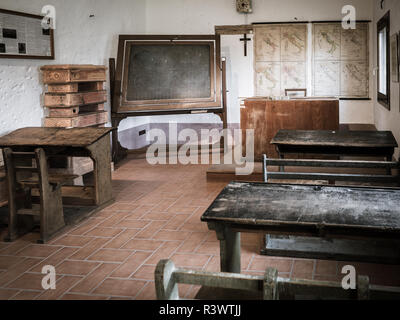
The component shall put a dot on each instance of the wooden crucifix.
(245, 39)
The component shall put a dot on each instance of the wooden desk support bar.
(78, 192)
(272, 287)
(378, 178)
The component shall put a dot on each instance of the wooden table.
(301, 210)
(75, 142)
(354, 143)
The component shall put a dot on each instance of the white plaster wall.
(385, 119)
(80, 39)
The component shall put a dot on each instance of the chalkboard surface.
(163, 72)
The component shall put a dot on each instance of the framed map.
(280, 58)
(22, 36)
(340, 60)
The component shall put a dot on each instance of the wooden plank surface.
(74, 111)
(374, 139)
(71, 67)
(53, 137)
(75, 87)
(63, 74)
(74, 99)
(309, 208)
(234, 29)
(83, 120)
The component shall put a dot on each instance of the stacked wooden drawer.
(75, 95)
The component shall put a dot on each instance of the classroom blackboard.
(158, 72)
(167, 73)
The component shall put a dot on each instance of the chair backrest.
(272, 287)
(380, 179)
(23, 165)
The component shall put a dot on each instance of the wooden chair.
(269, 286)
(26, 171)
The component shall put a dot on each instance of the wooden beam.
(234, 29)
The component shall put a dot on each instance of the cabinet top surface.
(71, 67)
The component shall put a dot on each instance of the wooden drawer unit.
(75, 95)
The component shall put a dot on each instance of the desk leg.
(229, 247)
(389, 158)
(100, 153)
(118, 151)
(281, 156)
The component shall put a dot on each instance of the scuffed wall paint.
(19, 97)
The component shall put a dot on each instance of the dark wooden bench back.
(380, 179)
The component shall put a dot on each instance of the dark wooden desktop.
(349, 143)
(371, 214)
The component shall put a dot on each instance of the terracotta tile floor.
(113, 254)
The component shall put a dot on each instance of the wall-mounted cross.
(245, 39)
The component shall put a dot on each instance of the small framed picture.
(296, 93)
(22, 36)
(394, 57)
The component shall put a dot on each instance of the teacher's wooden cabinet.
(267, 117)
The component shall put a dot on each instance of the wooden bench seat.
(54, 179)
(267, 287)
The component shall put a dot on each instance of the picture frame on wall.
(296, 93)
(394, 57)
(22, 36)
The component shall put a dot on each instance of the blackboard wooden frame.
(25, 56)
(116, 71)
(121, 105)
(155, 104)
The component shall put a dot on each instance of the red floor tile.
(131, 265)
(110, 255)
(120, 288)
